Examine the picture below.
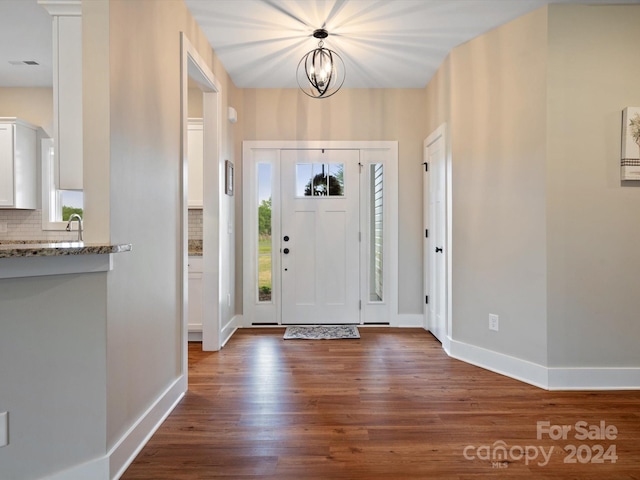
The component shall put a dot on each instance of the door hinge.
(426, 166)
(426, 299)
(359, 304)
(426, 233)
(360, 236)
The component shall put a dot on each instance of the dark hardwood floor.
(391, 405)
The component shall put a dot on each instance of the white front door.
(435, 153)
(320, 230)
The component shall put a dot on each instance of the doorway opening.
(196, 75)
(320, 233)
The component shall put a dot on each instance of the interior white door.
(437, 235)
(320, 230)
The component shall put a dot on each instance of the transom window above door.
(320, 180)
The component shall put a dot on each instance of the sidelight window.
(376, 214)
(264, 253)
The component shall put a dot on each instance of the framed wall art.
(630, 154)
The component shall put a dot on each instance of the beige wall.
(438, 96)
(35, 105)
(358, 114)
(593, 228)
(80, 381)
(497, 128)
(144, 182)
(195, 103)
(543, 229)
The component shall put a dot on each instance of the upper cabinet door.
(17, 164)
(68, 95)
(6, 165)
(67, 90)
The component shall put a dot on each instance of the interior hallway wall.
(593, 228)
(542, 224)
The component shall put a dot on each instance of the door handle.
(285, 251)
(438, 250)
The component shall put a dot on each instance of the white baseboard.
(594, 379)
(229, 329)
(97, 469)
(126, 449)
(544, 377)
(513, 367)
(410, 320)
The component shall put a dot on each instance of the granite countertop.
(44, 248)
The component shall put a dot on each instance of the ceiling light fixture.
(320, 72)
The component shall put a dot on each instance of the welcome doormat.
(321, 332)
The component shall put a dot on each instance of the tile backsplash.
(195, 224)
(27, 225)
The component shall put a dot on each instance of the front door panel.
(320, 244)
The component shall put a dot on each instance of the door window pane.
(320, 179)
(304, 177)
(336, 179)
(265, 271)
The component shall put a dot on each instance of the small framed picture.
(228, 177)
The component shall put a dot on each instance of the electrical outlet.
(494, 322)
(4, 429)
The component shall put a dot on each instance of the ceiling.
(25, 34)
(384, 43)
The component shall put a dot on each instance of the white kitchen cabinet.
(195, 299)
(195, 155)
(17, 164)
(67, 90)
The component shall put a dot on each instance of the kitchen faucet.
(73, 217)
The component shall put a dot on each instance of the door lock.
(285, 251)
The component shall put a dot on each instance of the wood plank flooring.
(391, 405)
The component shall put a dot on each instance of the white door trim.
(437, 134)
(195, 68)
(254, 152)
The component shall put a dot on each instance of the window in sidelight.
(264, 253)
